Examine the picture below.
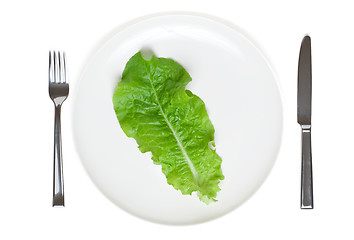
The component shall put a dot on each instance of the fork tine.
(55, 71)
(50, 67)
(59, 68)
(64, 67)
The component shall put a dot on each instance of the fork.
(58, 92)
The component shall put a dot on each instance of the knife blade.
(304, 97)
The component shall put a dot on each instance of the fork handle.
(58, 180)
(306, 169)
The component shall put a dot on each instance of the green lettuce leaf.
(153, 107)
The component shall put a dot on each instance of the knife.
(304, 92)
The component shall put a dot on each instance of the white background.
(30, 28)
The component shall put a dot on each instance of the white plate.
(242, 98)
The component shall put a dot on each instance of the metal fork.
(58, 92)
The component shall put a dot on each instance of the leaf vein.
(183, 150)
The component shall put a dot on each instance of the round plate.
(242, 98)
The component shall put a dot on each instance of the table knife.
(304, 92)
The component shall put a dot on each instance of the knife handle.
(306, 169)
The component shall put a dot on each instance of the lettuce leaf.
(153, 107)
